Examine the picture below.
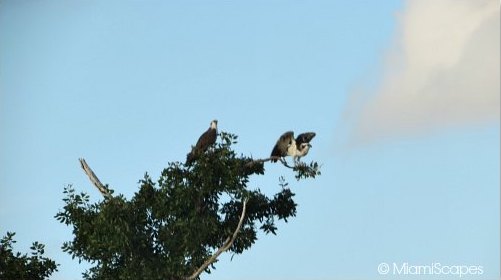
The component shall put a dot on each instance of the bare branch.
(93, 178)
(256, 161)
(226, 245)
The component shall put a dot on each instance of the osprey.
(207, 139)
(288, 146)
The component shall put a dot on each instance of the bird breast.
(303, 151)
(292, 149)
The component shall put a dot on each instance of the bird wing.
(283, 143)
(206, 139)
(304, 138)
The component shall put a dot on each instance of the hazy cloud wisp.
(442, 71)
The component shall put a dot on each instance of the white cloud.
(442, 71)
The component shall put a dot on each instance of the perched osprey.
(207, 139)
(288, 146)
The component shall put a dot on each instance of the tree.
(176, 227)
(19, 266)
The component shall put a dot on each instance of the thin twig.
(226, 245)
(93, 178)
(284, 162)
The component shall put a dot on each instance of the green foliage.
(304, 170)
(19, 266)
(169, 228)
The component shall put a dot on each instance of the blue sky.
(130, 85)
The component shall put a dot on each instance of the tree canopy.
(176, 227)
(21, 266)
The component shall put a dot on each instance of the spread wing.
(304, 138)
(283, 143)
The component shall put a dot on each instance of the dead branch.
(226, 245)
(93, 178)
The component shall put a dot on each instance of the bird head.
(305, 146)
(213, 124)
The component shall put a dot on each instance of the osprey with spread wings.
(288, 146)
